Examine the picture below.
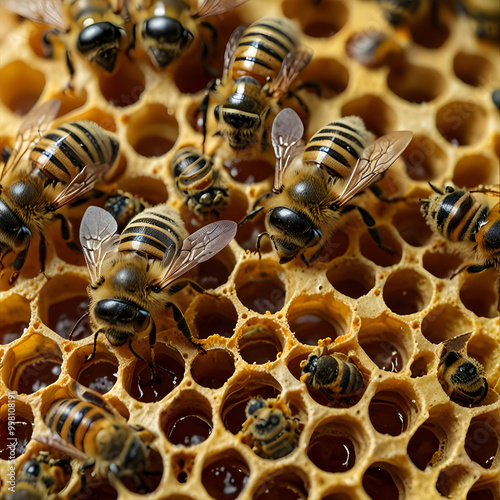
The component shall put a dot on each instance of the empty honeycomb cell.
(379, 483)
(335, 444)
(16, 421)
(63, 302)
(336, 246)
(294, 361)
(387, 256)
(411, 225)
(482, 491)
(431, 30)
(473, 69)
(99, 375)
(485, 349)
(416, 84)
(16, 313)
(451, 480)
(479, 293)
(481, 440)
(288, 483)
(191, 75)
(444, 322)
(461, 123)
(317, 317)
(188, 420)
(213, 369)
(225, 475)
(150, 189)
(32, 364)
(260, 341)
(248, 169)
(421, 364)
(215, 316)
(331, 76)
(379, 118)
(390, 412)
(152, 130)
(387, 343)
(21, 86)
(424, 159)
(260, 288)
(473, 170)
(103, 119)
(71, 102)
(340, 494)
(442, 264)
(407, 291)
(240, 392)
(170, 371)
(352, 278)
(124, 86)
(214, 272)
(423, 447)
(321, 20)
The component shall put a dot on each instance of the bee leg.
(206, 49)
(183, 326)
(377, 191)
(71, 68)
(42, 253)
(47, 46)
(250, 215)
(257, 243)
(203, 108)
(92, 356)
(77, 324)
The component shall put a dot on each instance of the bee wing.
(374, 161)
(31, 130)
(91, 396)
(40, 11)
(457, 344)
(82, 183)
(53, 440)
(98, 237)
(293, 64)
(231, 46)
(197, 248)
(216, 7)
(286, 136)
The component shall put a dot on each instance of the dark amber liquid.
(332, 453)
(226, 478)
(11, 332)
(387, 417)
(63, 316)
(99, 376)
(216, 323)
(189, 431)
(351, 288)
(320, 29)
(282, 488)
(422, 447)
(38, 375)
(384, 355)
(211, 274)
(153, 145)
(262, 295)
(335, 247)
(20, 434)
(249, 172)
(149, 391)
(481, 443)
(482, 493)
(309, 328)
(213, 369)
(379, 485)
(122, 88)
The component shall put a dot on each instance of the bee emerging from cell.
(269, 429)
(461, 376)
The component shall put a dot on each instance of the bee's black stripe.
(95, 418)
(77, 139)
(254, 60)
(54, 414)
(276, 30)
(64, 415)
(343, 125)
(75, 423)
(338, 142)
(270, 38)
(91, 137)
(69, 152)
(480, 221)
(464, 205)
(346, 377)
(331, 153)
(139, 238)
(52, 159)
(446, 207)
(335, 132)
(263, 48)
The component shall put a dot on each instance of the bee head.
(310, 366)
(100, 43)
(254, 405)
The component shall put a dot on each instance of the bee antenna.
(77, 324)
(435, 189)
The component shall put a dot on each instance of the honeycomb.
(401, 437)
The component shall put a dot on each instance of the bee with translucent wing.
(133, 276)
(310, 196)
(75, 155)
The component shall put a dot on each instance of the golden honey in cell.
(133, 276)
(310, 196)
(74, 156)
(260, 64)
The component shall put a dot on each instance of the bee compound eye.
(217, 112)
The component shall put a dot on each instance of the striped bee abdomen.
(262, 48)
(63, 152)
(337, 147)
(192, 170)
(153, 232)
(74, 420)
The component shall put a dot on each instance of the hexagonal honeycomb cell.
(387, 309)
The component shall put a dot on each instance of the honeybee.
(269, 428)
(75, 155)
(260, 63)
(40, 478)
(461, 376)
(166, 28)
(124, 207)
(133, 277)
(332, 374)
(309, 198)
(373, 48)
(91, 28)
(469, 219)
(398, 12)
(90, 430)
(199, 182)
